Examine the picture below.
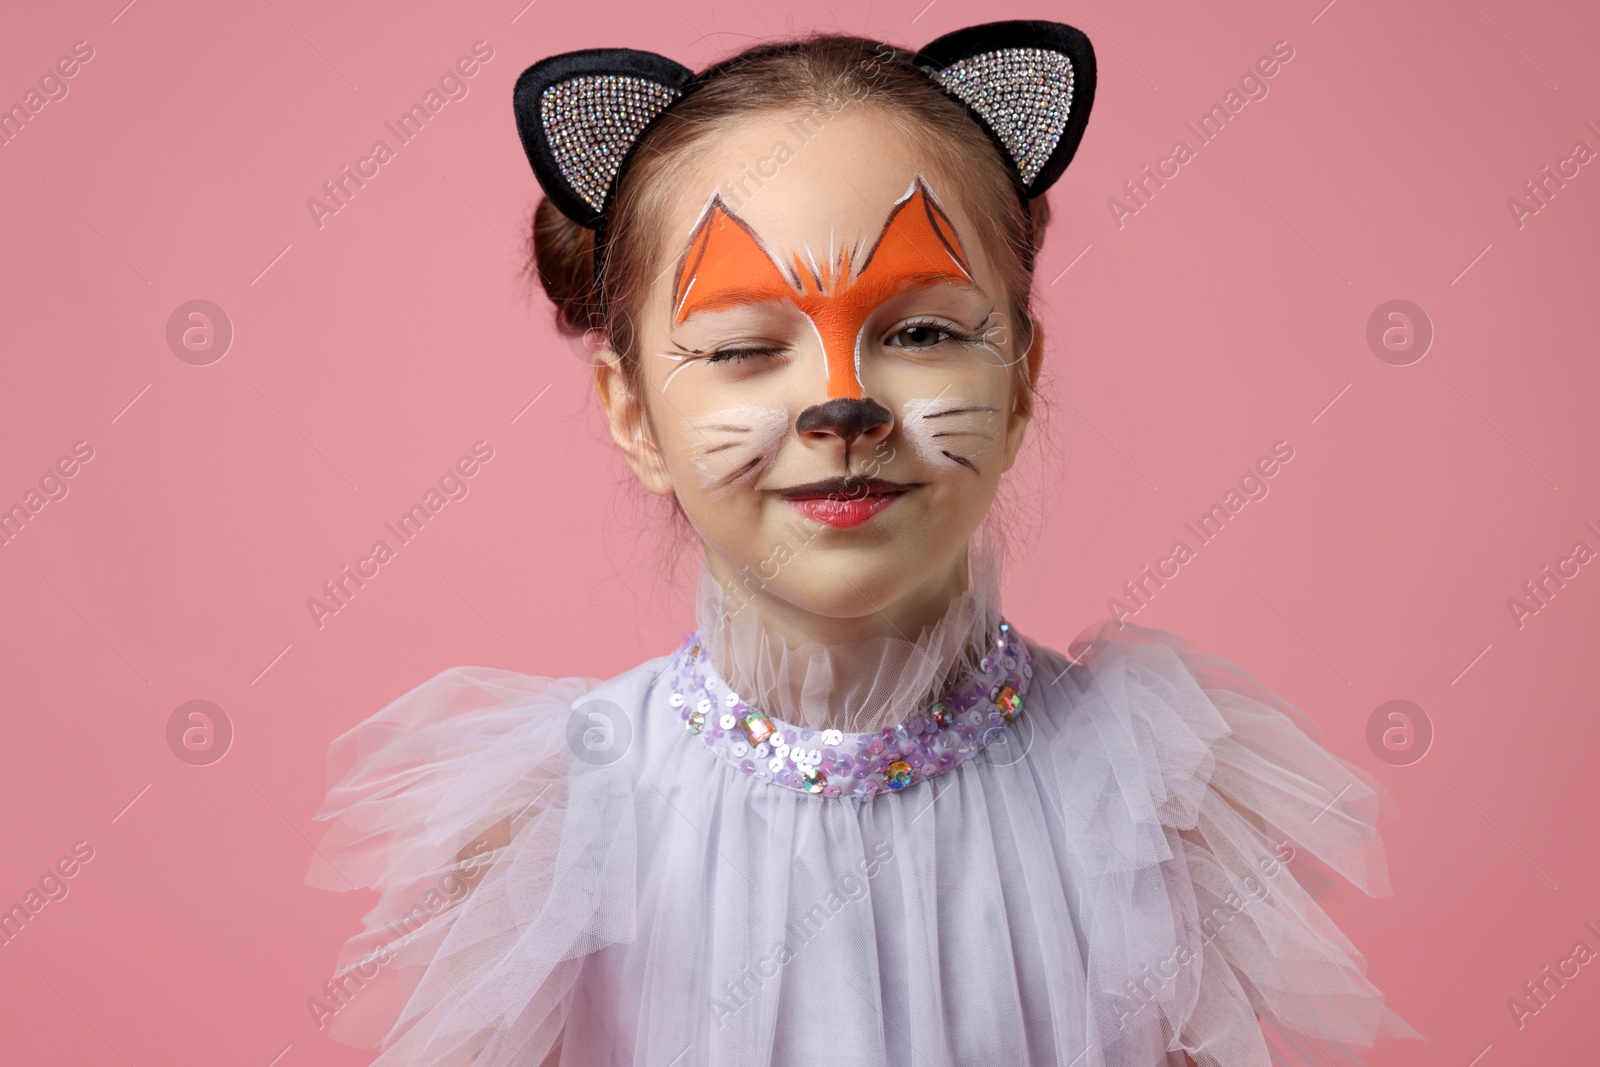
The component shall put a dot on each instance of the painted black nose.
(845, 418)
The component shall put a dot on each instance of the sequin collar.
(861, 765)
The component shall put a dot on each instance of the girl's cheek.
(734, 446)
(952, 431)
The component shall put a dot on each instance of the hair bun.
(562, 254)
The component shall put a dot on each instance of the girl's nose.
(846, 418)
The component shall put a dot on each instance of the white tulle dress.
(963, 849)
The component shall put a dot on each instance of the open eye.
(925, 333)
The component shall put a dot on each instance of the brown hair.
(822, 74)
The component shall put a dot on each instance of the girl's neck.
(861, 673)
(904, 618)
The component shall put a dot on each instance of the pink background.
(1227, 314)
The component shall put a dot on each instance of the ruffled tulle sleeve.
(457, 802)
(1208, 824)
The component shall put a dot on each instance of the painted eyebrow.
(935, 280)
(725, 299)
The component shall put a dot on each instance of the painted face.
(830, 379)
(726, 265)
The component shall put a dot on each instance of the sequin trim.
(1025, 95)
(861, 765)
(592, 121)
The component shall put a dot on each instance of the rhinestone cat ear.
(1029, 83)
(579, 113)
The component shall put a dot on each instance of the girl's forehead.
(814, 184)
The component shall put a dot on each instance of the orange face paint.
(726, 265)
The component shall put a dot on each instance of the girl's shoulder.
(1155, 674)
(460, 747)
(468, 784)
(1207, 824)
(1151, 732)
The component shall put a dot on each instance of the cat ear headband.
(1028, 83)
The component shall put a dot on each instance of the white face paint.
(951, 431)
(735, 444)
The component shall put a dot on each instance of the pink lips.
(844, 502)
(845, 512)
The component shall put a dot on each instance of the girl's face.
(829, 374)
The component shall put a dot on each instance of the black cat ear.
(1030, 84)
(579, 113)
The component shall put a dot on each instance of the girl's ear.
(629, 423)
(1022, 410)
(1035, 358)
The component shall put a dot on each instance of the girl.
(856, 818)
